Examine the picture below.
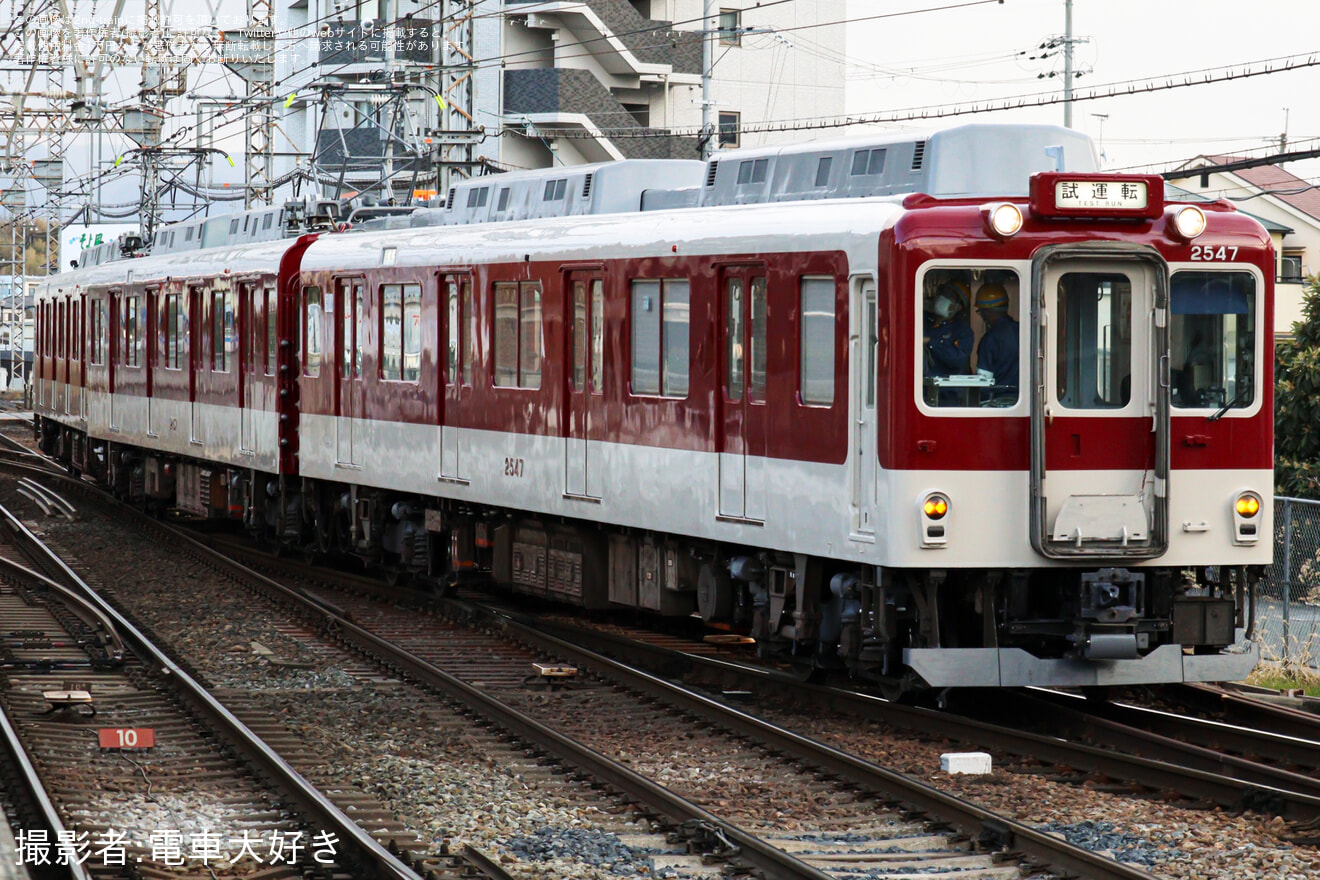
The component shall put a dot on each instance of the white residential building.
(551, 81)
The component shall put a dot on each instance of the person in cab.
(998, 350)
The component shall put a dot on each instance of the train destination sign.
(1111, 194)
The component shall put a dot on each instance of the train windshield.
(1212, 339)
(1095, 340)
(971, 337)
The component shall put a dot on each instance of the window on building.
(269, 309)
(731, 27)
(1290, 267)
(728, 134)
(660, 337)
(816, 342)
(313, 316)
(517, 344)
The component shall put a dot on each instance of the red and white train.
(718, 398)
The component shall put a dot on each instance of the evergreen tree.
(1297, 403)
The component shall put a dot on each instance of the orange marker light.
(935, 507)
(1248, 505)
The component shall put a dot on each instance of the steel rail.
(36, 791)
(91, 613)
(46, 495)
(752, 851)
(1044, 848)
(1248, 708)
(1147, 772)
(373, 857)
(1207, 733)
(483, 863)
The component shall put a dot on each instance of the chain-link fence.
(1288, 611)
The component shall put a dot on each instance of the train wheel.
(714, 593)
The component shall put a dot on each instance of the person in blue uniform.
(998, 349)
(947, 338)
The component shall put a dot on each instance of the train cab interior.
(971, 338)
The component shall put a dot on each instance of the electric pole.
(1067, 63)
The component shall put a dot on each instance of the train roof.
(239, 260)
(751, 229)
(965, 161)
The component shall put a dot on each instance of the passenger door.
(197, 359)
(862, 353)
(743, 304)
(1100, 419)
(584, 326)
(350, 295)
(456, 319)
(249, 366)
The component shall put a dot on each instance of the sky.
(981, 52)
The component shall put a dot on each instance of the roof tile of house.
(1283, 185)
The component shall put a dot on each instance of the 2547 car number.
(1207, 252)
(513, 467)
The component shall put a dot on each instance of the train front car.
(1078, 454)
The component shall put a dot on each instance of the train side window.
(469, 341)
(313, 319)
(816, 342)
(578, 336)
(505, 344)
(733, 333)
(412, 332)
(758, 342)
(222, 323)
(1212, 340)
(517, 345)
(529, 334)
(173, 333)
(391, 334)
(661, 322)
(132, 336)
(645, 337)
(454, 317)
(970, 338)
(597, 336)
(269, 307)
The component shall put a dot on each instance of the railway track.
(868, 831)
(1152, 774)
(206, 785)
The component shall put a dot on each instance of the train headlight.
(1246, 518)
(1004, 221)
(933, 520)
(1189, 222)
